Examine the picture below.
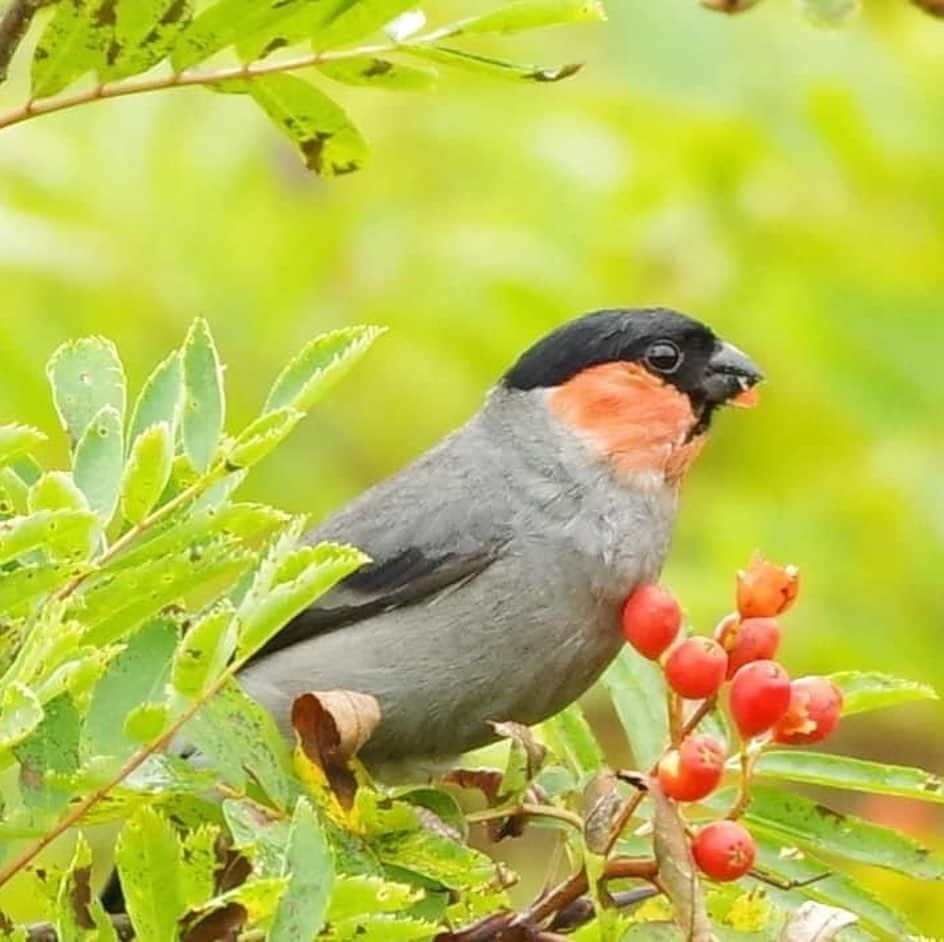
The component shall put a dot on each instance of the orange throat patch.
(637, 422)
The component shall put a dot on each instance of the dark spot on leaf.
(233, 869)
(339, 170)
(105, 15)
(932, 784)
(313, 149)
(274, 44)
(221, 925)
(174, 12)
(113, 52)
(555, 75)
(82, 896)
(825, 812)
(377, 67)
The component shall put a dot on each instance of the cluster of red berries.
(762, 700)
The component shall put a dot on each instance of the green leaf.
(638, 693)
(145, 31)
(55, 490)
(787, 863)
(301, 578)
(239, 736)
(99, 458)
(569, 735)
(363, 894)
(24, 585)
(830, 12)
(203, 396)
(146, 722)
(382, 928)
(62, 534)
(258, 833)
(301, 910)
(161, 398)
(20, 713)
(329, 142)
(199, 863)
(148, 860)
(205, 650)
(528, 15)
(73, 43)
(819, 768)
(490, 67)
(52, 747)
(795, 819)
(261, 436)
(117, 603)
(79, 914)
(321, 362)
(86, 375)
(14, 493)
(147, 472)
(374, 72)
(357, 20)
(16, 440)
(137, 675)
(862, 691)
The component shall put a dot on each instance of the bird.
(500, 558)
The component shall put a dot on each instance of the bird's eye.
(664, 356)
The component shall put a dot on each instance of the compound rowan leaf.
(203, 396)
(52, 748)
(86, 376)
(161, 398)
(99, 459)
(60, 534)
(20, 588)
(329, 142)
(145, 31)
(261, 436)
(147, 472)
(205, 650)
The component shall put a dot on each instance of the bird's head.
(639, 385)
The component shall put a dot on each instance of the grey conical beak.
(728, 374)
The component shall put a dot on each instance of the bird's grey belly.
(516, 643)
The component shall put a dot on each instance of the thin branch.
(46, 931)
(35, 107)
(14, 24)
(528, 810)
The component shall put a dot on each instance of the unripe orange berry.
(765, 589)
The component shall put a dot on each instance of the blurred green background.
(782, 182)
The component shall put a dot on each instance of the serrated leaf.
(330, 144)
(862, 691)
(62, 534)
(638, 693)
(261, 436)
(79, 913)
(20, 713)
(161, 398)
(14, 493)
(51, 748)
(55, 490)
(203, 396)
(16, 440)
(145, 31)
(73, 43)
(204, 651)
(819, 768)
(375, 72)
(199, 863)
(99, 459)
(302, 577)
(830, 12)
(490, 67)
(146, 722)
(138, 674)
(786, 862)
(527, 15)
(358, 20)
(363, 894)
(570, 736)
(321, 362)
(22, 586)
(308, 864)
(86, 376)
(147, 472)
(239, 736)
(795, 819)
(116, 604)
(148, 860)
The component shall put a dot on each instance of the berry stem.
(747, 758)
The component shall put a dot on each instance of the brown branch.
(46, 931)
(13, 27)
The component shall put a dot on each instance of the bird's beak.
(730, 377)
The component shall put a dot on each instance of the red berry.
(753, 639)
(813, 713)
(692, 771)
(651, 620)
(724, 850)
(696, 668)
(760, 695)
(765, 589)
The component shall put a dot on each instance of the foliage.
(137, 589)
(117, 40)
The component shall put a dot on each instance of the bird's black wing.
(427, 530)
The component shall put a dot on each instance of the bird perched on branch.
(502, 556)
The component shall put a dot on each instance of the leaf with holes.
(55, 490)
(161, 398)
(205, 650)
(99, 459)
(52, 748)
(203, 396)
(147, 472)
(60, 534)
(86, 376)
